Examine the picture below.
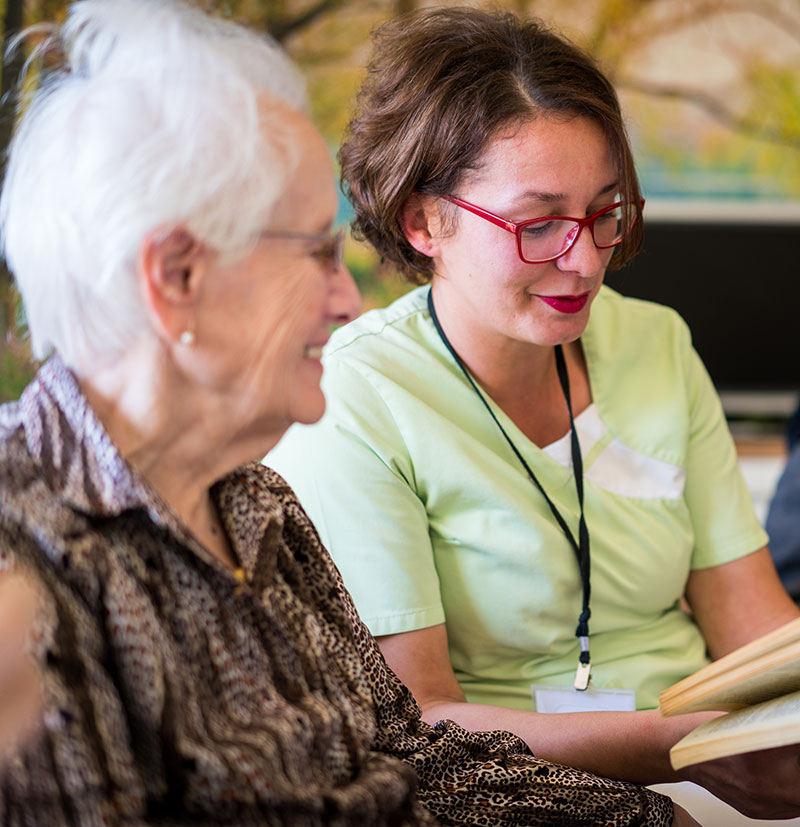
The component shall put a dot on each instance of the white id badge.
(568, 699)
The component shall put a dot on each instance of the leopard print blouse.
(177, 693)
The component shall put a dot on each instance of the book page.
(784, 637)
(770, 724)
(774, 672)
(745, 691)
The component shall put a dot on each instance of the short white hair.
(152, 121)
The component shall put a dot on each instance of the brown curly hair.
(440, 85)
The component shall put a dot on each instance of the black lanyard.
(581, 547)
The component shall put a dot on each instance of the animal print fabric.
(178, 695)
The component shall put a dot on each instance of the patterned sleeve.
(78, 768)
(468, 779)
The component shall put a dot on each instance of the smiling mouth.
(566, 304)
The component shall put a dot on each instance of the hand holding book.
(749, 755)
(758, 685)
(761, 784)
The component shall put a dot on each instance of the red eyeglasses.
(545, 239)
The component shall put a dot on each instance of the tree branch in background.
(787, 23)
(282, 26)
(716, 109)
(626, 29)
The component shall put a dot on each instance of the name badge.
(555, 699)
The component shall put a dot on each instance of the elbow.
(440, 707)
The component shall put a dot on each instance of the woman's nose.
(583, 257)
(345, 300)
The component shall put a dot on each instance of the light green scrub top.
(431, 518)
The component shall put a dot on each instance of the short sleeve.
(355, 462)
(722, 514)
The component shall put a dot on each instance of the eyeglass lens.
(337, 249)
(331, 250)
(551, 237)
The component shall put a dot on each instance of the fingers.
(773, 782)
(20, 684)
(682, 819)
(763, 784)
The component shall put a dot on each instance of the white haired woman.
(167, 214)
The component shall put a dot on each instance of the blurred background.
(711, 91)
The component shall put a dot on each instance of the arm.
(56, 768)
(635, 745)
(739, 601)
(468, 778)
(733, 604)
(20, 684)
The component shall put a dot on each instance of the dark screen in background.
(737, 286)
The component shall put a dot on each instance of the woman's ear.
(419, 220)
(172, 265)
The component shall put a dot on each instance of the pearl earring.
(187, 338)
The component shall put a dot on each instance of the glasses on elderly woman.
(328, 248)
(545, 239)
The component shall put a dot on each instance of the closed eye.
(541, 229)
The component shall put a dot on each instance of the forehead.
(550, 154)
(309, 199)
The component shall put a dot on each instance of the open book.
(758, 685)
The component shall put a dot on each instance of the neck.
(501, 365)
(176, 434)
(519, 376)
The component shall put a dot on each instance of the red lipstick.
(566, 304)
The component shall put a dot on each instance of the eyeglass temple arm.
(489, 216)
(512, 227)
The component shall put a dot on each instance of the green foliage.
(16, 364)
(380, 285)
(16, 371)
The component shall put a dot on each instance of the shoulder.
(631, 343)
(304, 557)
(391, 356)
(645, 375)
(10, 419)
(40, 530)
(267, 486)
(275, 498)
(25, 502)
(620, 322)
(401, 320)
(15, 457)
(25, 495)
(383, 362)
(39, 533)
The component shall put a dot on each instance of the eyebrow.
(326, 227)
(555, 197)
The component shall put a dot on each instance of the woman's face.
(549, 166)
(270, 313)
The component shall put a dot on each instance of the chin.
(560, 335)
(310, 410)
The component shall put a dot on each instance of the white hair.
(152, 121)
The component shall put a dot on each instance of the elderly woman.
(168, 216)
(522, 473)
